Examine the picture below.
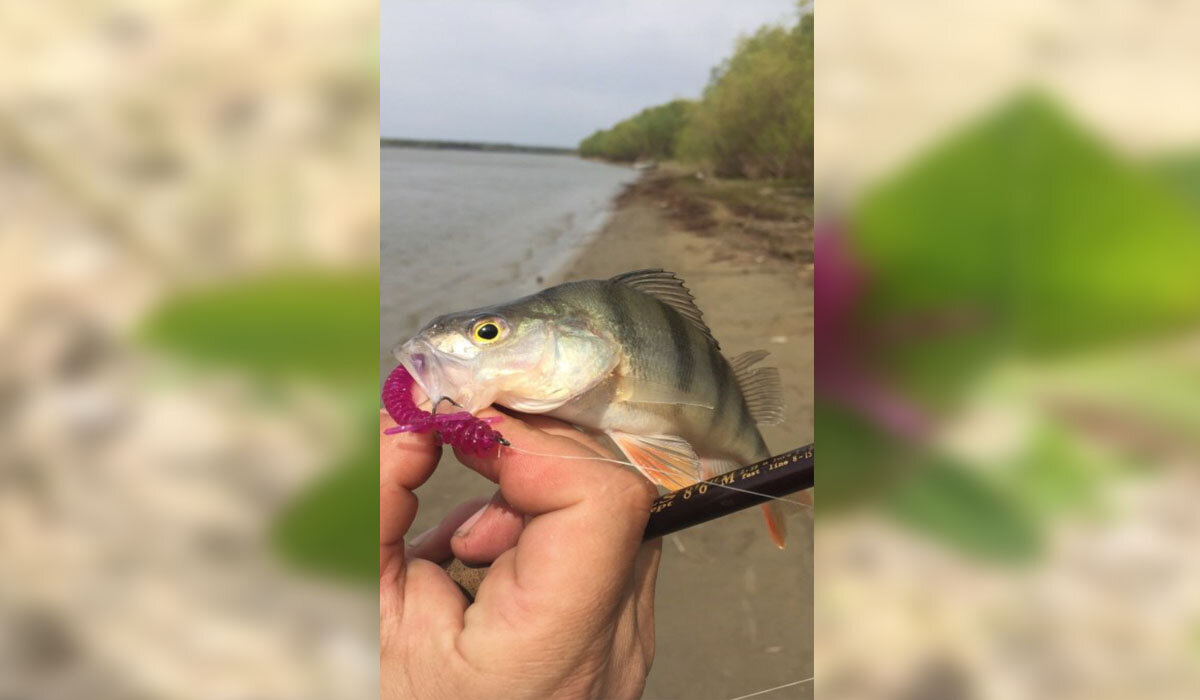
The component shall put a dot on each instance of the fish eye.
(487, 330)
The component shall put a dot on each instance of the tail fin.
(776, 524)
(776, 513)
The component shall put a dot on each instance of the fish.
(629, 358)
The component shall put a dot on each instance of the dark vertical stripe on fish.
(682, 341)
(652, 318)
(746, 421)
(629, 334)
(725, 384)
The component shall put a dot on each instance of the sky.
(545, 72)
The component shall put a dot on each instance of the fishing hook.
(434, 410)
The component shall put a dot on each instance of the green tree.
(653, 133)
(756, 116)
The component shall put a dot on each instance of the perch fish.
(629, 358)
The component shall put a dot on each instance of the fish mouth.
(421, 361)
(441, 378)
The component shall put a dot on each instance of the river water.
(462, 229)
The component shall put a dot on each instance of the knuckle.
(634, 490)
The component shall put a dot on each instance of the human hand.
(566, 610)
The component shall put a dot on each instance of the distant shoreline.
(436, 145)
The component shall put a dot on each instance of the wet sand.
(734, 614)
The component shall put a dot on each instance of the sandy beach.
(734, 613)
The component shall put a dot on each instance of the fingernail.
(465, 529)
(420, 539)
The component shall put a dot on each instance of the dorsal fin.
(760, 387)
(668, 289)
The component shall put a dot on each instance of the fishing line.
(679, 472)
(771, 690)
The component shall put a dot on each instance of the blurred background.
(188, 285)
(1008, 350)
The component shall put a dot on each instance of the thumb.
(589, 516)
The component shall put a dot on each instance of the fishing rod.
(724, 494)
(760, 482)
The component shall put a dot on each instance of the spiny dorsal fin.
(668, 289)
(760, 387)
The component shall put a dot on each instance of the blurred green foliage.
(332, 528)
(1182, 172)
(1029, 243)
(865, 468)
(926, 491)
(311, 325)
(1053, 475)
(754, 120)
(1035, 234)
(966, 509)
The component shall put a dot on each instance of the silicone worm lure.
(461, 430)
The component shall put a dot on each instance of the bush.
(754, 120)
(756, 117)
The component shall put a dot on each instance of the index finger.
(406, 460)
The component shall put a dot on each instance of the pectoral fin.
(667, 460)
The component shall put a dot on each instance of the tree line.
(754, 119)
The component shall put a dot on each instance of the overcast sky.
(549, 72)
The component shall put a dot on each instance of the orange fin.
(776, 523)
(667, 460)
(776, 513)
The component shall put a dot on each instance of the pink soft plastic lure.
(461, 430)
